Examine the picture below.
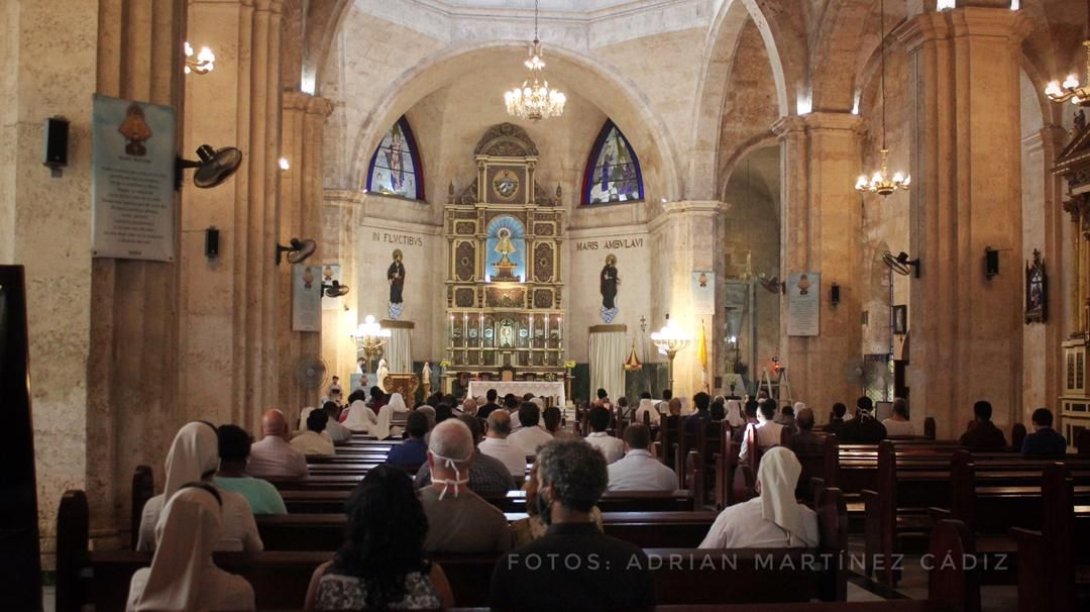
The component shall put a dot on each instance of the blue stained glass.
(613, 172)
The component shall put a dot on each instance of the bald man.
(274, 456)
(497, 445)
(459, 521)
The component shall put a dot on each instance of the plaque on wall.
(803, 304)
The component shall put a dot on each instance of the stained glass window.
(395, 166)
(613, 172)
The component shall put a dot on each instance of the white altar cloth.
(478, 388)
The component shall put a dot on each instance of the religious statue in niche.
(506, 239)
(136, 130)
(507, 334)
(395, 275)
(1036, 290)
(608, 282)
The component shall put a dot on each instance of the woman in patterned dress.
(381, 565)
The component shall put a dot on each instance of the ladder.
(781, 389)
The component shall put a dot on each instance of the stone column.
(303, 127)
(966, 341)
(686, 238)
(1042, 352)
(822, 231)
(228, 364)
(45, 226)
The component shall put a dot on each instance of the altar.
(504, 287)
(555, 389)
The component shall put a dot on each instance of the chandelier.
(1069, 89)
(881, 182)
(204, 63)
(370, 337)
(535, 99)
(669, 340)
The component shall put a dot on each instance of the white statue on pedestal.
(383, 372)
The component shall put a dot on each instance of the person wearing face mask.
(459, 521)
(573, 566)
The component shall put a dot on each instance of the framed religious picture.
(1036, 290)
(900, 319)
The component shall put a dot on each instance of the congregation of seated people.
(463, 452)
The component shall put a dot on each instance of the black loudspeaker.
(56, 144)
(211, 243)
(834, 294)
(991, 263)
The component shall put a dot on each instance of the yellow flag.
(702, 352)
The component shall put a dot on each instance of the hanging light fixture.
(535, 100)
(1070, 89)
(881, 182)
(203, 63)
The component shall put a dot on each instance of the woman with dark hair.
(381, 565)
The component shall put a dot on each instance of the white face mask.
(447, 483)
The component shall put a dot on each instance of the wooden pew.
(1054, 561)
(644, 529)
(991, 494)
(912, 487)
(280, 578)
(325, 501)
(906, 485)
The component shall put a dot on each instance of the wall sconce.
(991, 262)
(834, 295)
(211, 242)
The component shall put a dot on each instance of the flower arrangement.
(445, 363)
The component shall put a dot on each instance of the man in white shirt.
(273, 456)
(314, 441)
(336, 431)
(497, 445)
(639, 470)
(898, 423)
(531, 436)
(612, 448)
(768, 431)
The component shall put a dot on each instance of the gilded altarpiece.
(1073, 166)
(504, 232)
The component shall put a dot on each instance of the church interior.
(210, 209)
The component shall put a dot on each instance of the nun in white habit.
(773, 519)
(382, 429)
(183, 575)
(734, 413)
(647, 406)
(193, 457)
(360, 419)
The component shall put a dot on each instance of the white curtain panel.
(398, 353)
(607, 355)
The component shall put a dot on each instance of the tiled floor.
(913, 585)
